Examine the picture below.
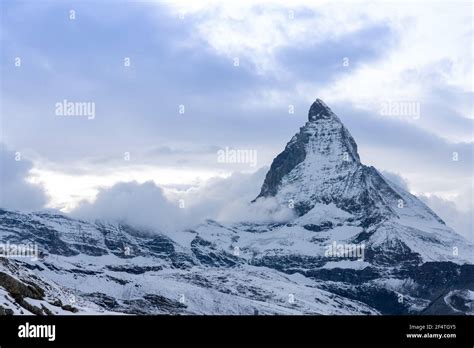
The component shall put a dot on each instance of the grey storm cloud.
(16, 193)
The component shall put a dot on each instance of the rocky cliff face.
(407, 259)
(323, 145)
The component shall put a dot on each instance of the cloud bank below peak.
(168, 211)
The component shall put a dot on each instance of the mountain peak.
(320, 164)
(319, 110)
(319, 150)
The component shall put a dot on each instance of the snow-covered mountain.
(359, 245)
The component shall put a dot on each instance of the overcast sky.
(236, 68)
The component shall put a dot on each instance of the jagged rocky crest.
(411, 262)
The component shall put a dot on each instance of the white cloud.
(458, 213)
(142, 205)
(68, 189)
(147, 205)
(461, 220)
(16, 192)
(228, 200)
(397, 179)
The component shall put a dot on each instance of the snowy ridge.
(150, 280)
